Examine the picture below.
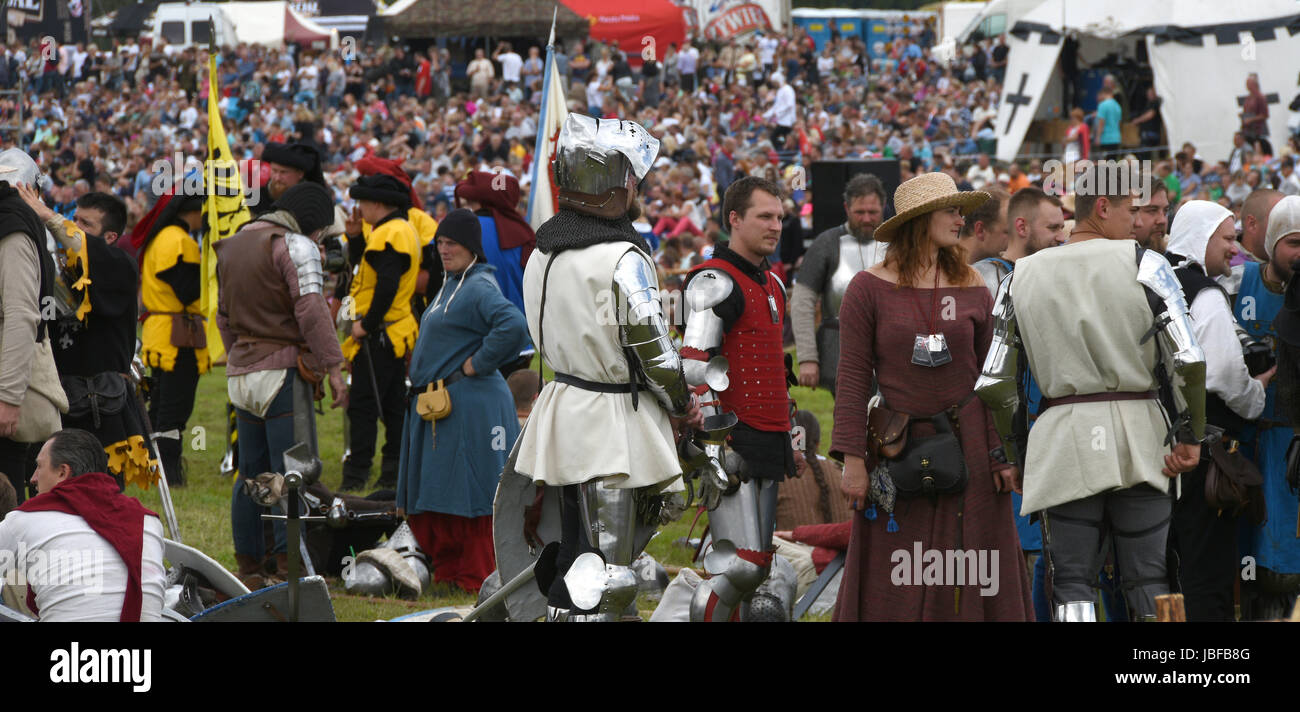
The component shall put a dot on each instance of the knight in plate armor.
(599, 443)
(735, 306)
(829, 265)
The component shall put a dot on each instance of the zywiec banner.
(25, 20)
(725, 19)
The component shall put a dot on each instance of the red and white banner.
(725, 19)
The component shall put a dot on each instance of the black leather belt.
(593, 385)
(598, 387)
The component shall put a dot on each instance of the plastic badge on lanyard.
(931, 350)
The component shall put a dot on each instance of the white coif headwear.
(1194, 225)
(1283, 220)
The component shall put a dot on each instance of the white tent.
(1201, 52)
(273, 23)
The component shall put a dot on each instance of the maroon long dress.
(879, 322)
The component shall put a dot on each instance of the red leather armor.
(754, 348)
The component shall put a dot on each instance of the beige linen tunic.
(1081, 315)
(574, 435)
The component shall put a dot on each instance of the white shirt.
(825, 65)
(1225, 369)
(783, 109)
(687, 59)
(75, 573)
(308, 77)
(511, 63)
(767, 49)
(1290, 185)
(978, 177)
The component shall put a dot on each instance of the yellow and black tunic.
(384, 284)
(170, 289)
(93, 353)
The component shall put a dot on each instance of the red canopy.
(632, 21)
(297, 31)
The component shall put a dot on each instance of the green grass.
(203, 505)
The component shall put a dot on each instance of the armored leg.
(1073, 536)
(601, 581)
(1139, 518)
(742, 528)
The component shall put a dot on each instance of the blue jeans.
(262, 442)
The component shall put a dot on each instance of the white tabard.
(574, 435)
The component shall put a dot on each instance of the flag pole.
(539, 171)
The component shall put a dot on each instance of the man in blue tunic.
(1269, 588)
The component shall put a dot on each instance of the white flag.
(542, 193)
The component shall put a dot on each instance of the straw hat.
(927, 193)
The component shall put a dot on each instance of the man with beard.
(601, 434)
(1204, 537)
(94, 351)
(829, 265)
(1152, 221)
(290, 164)
(1259, 301)
(735, 305)
(1035, 221)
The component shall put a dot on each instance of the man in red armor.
(735, 308)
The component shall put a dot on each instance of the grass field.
(203, 505)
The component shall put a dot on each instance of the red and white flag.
(542, 193)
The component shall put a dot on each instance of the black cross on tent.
(1272, 99)
(1017, 100)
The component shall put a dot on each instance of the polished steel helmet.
(595, 156)
(17, 166)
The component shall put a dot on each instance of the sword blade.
(515, 584)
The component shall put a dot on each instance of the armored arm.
(1173, 325)
(645, 331)
(998, 382)
(306, 259)
(705, 330)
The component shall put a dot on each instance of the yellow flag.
(224, 209)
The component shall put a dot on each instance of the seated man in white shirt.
(85, 551)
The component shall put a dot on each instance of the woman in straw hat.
(921, 323)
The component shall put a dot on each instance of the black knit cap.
(461, 225)
(311, 204)
(296, 155)
(382, 189)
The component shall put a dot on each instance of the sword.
(374, 383)
(169, 511)
(500, 596)
(293, 524)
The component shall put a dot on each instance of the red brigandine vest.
(755, 352)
